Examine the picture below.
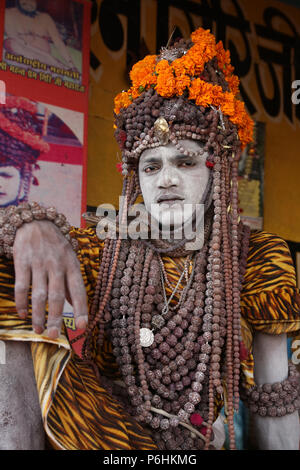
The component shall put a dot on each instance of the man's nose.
(168, 177)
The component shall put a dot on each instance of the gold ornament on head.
(161, 130)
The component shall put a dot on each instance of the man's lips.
(169, 199)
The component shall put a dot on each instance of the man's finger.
(39, 299)
(56, 300)
(76, 288)
(22, 284)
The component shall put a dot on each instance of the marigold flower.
(182, 83)
(217, 95)
(228, 104)
(239, 114)
(178, 67)
(122, 100)
(142, 73)
(233, 83)
(166, 84)
(162, 66)
(134, 92)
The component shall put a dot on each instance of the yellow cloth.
(78, 413)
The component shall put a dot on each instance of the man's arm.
(271, 365)
(21, 426)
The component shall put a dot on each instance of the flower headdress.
(197, 71)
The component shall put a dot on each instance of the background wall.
(264, 39)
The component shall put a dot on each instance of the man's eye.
(149, 169)
(186, 164)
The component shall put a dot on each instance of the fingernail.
(22, 314)
(38, 329)
(53, 332)
(81, 322)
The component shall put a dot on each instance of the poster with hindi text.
(44, 66)
(44, 75)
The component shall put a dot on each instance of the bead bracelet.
(277, 399)
(13, 217)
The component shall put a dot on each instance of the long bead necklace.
(182, 297)
(158, 320)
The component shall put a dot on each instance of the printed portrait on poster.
(41, 156)
(44, 37)
(44, 69)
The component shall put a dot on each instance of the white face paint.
(170, 180)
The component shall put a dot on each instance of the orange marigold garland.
(182, 75)
(182, 83)
(166, 84)
(141, 74)
(122, 100)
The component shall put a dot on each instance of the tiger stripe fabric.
(270, 298)
(78, 411)
(99, 422)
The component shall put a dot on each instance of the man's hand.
(43, 257)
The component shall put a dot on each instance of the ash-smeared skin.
(44, 257)
(21, 426)
(165, 170)
(270, 366)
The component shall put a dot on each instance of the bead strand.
(235, 283)
(137, 327)
(229, 310)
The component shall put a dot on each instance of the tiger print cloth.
(77, 411)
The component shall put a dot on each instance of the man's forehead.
(170, 150)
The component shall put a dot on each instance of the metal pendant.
(161, 130)
(146, 337)
(158, 321)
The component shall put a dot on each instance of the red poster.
(44, 68)
(44, 71)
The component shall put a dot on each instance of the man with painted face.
(170, 331)
(30, 32)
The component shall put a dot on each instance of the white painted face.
(170, 180)
(10, 181)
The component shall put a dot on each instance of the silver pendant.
(146, 337)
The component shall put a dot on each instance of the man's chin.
(170, 220)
